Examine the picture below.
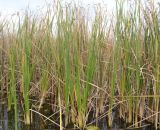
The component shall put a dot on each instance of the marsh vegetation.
(76, 67)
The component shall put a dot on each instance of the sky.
(12, 6)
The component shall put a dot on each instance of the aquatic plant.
(83, 67)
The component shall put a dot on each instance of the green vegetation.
(92, 128)
(81, 66)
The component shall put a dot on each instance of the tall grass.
(82, 66)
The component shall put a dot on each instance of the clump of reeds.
(83, 66)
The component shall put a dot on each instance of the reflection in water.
(0, 116)
(7, 122)
(120, 124)
(5, 117)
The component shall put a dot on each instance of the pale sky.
(11, 6)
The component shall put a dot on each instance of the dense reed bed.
(79, 66)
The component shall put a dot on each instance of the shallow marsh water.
(7, 123)
(39, 123)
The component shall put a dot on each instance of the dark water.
(120, 125)
(7, 122)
